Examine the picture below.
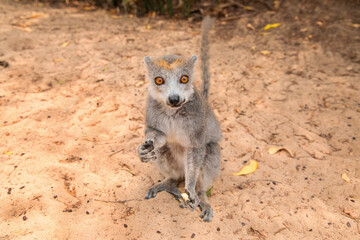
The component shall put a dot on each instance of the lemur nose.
(174, 100)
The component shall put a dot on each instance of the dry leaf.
(351, 213)
(90, 8)
(355, 25)
(275, 25)
(139, 83)
(148, 27)
(345, 177)
(65, 44)
(8, 153)
(265, 52)
(34, 16)
(250, 26)
(273, 150)
(26, 29)
(57, 60)
(248, 168)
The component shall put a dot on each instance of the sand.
(72, 104)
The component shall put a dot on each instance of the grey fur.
(206, 27)
(181, 141)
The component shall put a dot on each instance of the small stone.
(24, 218)
(310, 230)
(349, 68)
(55, 196)
(193, 235)
(218, 229)
(158, 232)
(348, 224)
(243, 224)
(125, 225)
(87, 212)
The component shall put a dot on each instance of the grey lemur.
(182, 133)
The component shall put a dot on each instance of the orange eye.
(159, 81)
(184, 79)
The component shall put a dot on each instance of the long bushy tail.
(205, 29)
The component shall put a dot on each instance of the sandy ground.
(72, 115)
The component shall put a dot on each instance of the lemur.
(182, 134)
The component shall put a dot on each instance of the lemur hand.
(146, 151)
(193, 199)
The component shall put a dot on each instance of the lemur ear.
(148, 61)
(192, 60)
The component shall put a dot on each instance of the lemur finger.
(144, 149)
(207, 212)
(149, 144)
(147, 155)
(147, 159)
(151, 194)
(193, 200)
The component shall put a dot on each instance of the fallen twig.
(119, 201)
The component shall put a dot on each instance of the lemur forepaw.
(193, 200)
(146, 151)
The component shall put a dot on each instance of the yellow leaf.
(345, 177)
(249, 8)
(355, 25)
(265, 52)
(273, 150)
(65, 44)
(57, 60)
(275, 25)
(8, 153)
(248, 168)
(148, 27)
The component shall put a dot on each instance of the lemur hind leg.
(209, 171)
(168, 185)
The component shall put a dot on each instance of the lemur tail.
(205, 29)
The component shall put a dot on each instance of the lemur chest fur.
(175, 132)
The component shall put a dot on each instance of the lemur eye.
(184, 79)
(159, 81)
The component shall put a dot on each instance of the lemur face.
(170, 79)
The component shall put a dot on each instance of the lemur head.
(170, 79)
